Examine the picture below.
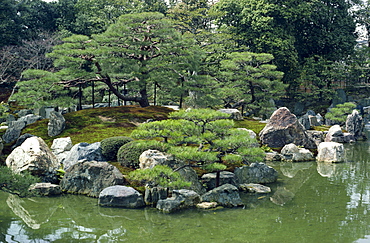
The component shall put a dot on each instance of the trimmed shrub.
(129, 153)
(16, 183)
(110, 146)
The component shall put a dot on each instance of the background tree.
(251, 81)
(132, 51)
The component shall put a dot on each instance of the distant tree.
(340, 112)
(250, 80)
(138, 50)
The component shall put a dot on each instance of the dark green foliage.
(160, 175)
(340, 112)
(16, 183)
(110, 146)
(128, 155)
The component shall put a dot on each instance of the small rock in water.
(207, 205)
(256, 188)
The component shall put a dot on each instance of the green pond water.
(311, 202)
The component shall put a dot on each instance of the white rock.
(330, 152)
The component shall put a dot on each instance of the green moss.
(251, 124)
(94, 125)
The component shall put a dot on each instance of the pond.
(311, 202)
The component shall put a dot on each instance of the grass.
(251, 124)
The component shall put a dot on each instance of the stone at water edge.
(226, 195)
(330, 152)
(120, 196)
(180, 199)
(255, 188)
(45, 189)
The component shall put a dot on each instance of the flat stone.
(255, 188)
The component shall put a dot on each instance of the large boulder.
(30, 118)
(291, 152)
(255, 173)
(61, 148)
(355, 125)
(226, 177)
(283, 128)
(150, 158)
(83, 152)
(316, 136)
(56, 124)
(226, 195)
(21, 140)
(120, 196)
(14, 131)
(180, 199)
(330, 152)
(335, 134)
(35, 156)
(234, 113)
(90, 178)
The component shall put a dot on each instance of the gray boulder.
(226, 195)
(330, 152)
(56, 124)
(30, 118)
(14, 131)
(61, 148)
(255, 173)
(90, 178)
(272, 156)
(316, 136)
(283, 128)
(24, 112)
(234, 113)
(83, 152)
(153, 194)
(291, 152)
(335, 134)
(21, 139)
(355, 125)
(305, 121)
(45, 189)
(120, 196)
(226, 177)
(180, 199)
(34, 156)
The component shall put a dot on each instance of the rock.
(272, 156)
(283, 128)
(320, 119)
(180, 199)
(255, 188)
(316, 136)
(120, 196)
(56, 124)
(206, 205)
(90, 178)
(251, 133)
(189, 174)
(255, 173)
(234, 114)
(61, 148)
(150, 158)
(29, 119)
(355, 125)
(291, 152)
(226, 195)
(226, 177)
(24, 112)
(335, 134)
(314, 121)
(13, 131)
(305, 122)
(45, 189)
(83, 152)
(330, 152)
(21, 139)
(35, 156)
(152, 195)
(1, 146)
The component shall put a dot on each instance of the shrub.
(16, 183)
(110, 146)
(340, 112)
(129, 153)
